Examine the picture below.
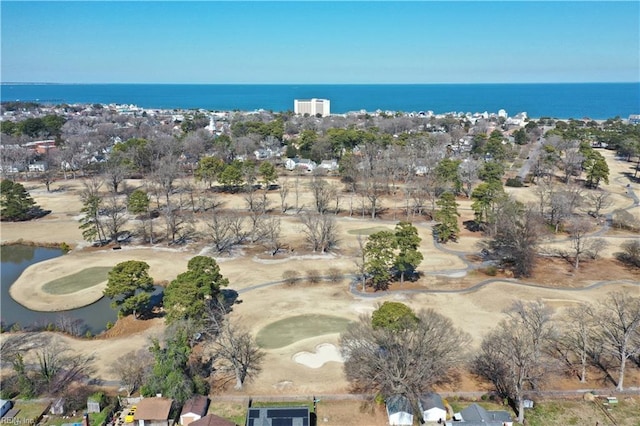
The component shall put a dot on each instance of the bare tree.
(468, 174)
(361, 261)
(320, 230)
(513, 356)
(58, 368)
(283, 191)
(116, 215)
(133, 369)
(516, 239)
(618, 319)
(165, 174)
(562, 204)
(115, 171)
(178, 224)
(406, 361)
(576, 337)
(599, 200)
(221, 231)
(322, 194)
(235, 351)
(271, 235)
(579, 228)
(572, 162)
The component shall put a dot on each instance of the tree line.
(399, 352)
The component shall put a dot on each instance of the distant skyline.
(307, 42)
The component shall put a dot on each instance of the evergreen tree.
(268, 173)
(188, 296)
(485, 196)
(407, 243)
(447, 215)
(90, 222)
(15, 202)
(130, 286)
(380, 257)
(596, 168)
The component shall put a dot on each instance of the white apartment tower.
(312, 106)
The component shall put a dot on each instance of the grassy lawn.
(79, 281)
(369, 231)
(234, 412)
(95, 419)
(290, 330)
(29, 411)
(626, 413)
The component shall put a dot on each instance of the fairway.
(369, 231)
(289, 330)
(79, 281)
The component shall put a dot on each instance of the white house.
(399, 411)
(38, 166)
(300, 163)
(432, 407)
(330, 165)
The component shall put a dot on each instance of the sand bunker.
(325, 352)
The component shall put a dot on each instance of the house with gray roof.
(475, 415)
(399, 411)
(432, 407)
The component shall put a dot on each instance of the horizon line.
(43, 83)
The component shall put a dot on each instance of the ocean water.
(574, 100)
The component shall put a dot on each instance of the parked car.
(129, 417)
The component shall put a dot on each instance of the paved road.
(534, 153)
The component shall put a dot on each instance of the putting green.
(79, 281)
(289, 330)
(368, 231)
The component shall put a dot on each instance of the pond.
(14, 260)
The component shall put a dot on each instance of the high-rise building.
(312, 106)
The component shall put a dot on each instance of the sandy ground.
(310, 365)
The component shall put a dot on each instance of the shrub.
(622, 219)
(65, 247)
(631, 253)
(109, 325)
(514, 182)
(492, 271)
(334, 274)
(313, 275)
(290, 277)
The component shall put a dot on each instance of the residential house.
(38, 166)
(194, 409)
(300, 163)
(153, 412)
(475, 415)
(432, 407)
(212, 420)
(330, 165)
(262, 154)
(399, 411)
(279, 416)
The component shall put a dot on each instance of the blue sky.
(320, 42)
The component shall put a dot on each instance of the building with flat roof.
(312, 106)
